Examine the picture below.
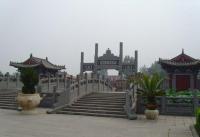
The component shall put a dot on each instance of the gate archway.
(110, 61)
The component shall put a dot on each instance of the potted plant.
(28, 99)
(150, 87)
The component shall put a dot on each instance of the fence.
(82, 86)
(183, 106)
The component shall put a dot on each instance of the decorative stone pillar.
(96, 58)
(103, 78)
(57, 80)
(82, 61)
(7, 82)
(17, 75)
(86, 84)
(68, 89)
(173, 81)
(49, 81)
(65, 79)
(136, 61)
(120, 59)
(78, 80)
(92, 80)
(191, 81)
(98, 78)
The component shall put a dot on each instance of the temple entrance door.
(182, 82)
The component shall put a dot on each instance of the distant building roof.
(180, 60)
(34, 62)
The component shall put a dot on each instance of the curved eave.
(170, 63)
(20, 65)
(48, 65)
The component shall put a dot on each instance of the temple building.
(43, 66)
(183, 72)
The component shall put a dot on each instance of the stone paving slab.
(14, 124)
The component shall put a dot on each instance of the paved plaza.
(13, 124)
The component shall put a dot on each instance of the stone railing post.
(92, 79)
(65, 80)
(163, 104)
(195, 101)
(49, 82)
(7, 81)
(78, 80)
(68, 89)
(16, 80)
(98, 77)
(39, 79)
(86, 84)
(103, 78)
(128, 106)
(57, 80)
(54, 94)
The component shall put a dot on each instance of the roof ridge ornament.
(31, 55)
(182, 50)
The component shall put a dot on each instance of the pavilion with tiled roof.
(43, 66)
(182, 72)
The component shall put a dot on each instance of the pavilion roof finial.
(182, 50)
(31, 55)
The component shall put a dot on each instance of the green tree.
(29, 77)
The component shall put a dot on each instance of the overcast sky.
(61, 29)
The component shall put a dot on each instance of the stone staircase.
(8, 100)
(109, 104)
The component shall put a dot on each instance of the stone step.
(8, 99)
(94, 111)
(98, 105)
(9, 107)
(105, 95)
(8, 102)
(108, 98)
(11, 96)
(98, 108)
(104, 101)
(92, 114)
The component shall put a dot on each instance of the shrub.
(29, 77)
(150, 87)
(197, 125)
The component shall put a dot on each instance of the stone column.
(82, 62)
(17, 79)
(49, 81)
(57, 80)
(7, 82)
(136, 61)
(78, 80)
(65, 79)
(68, 89)
(120, 59)
(173, 81)
(54, 94)
(191, 81)
(103, 78)
(96, 58)
(86, 84)
(92, 79)
(98, 78)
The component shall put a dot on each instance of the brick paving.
(14, 124)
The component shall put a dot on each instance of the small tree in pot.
(28, 99)
(150, 87)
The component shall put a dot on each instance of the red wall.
(182, 82)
